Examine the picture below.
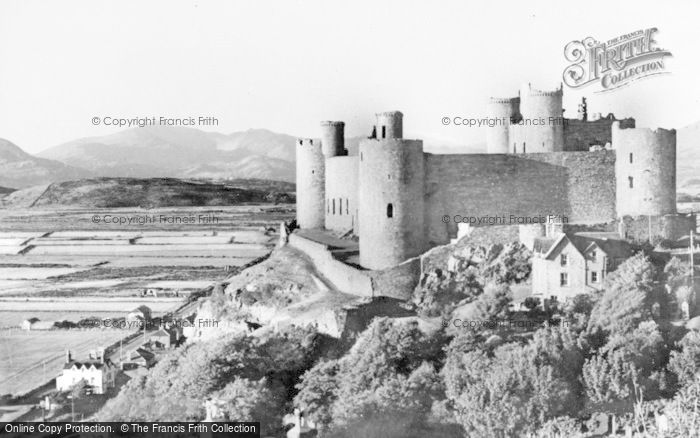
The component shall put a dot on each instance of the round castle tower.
(333, 138)
(645, 170)
(310, 190)
(542, 127)
(389, 125)
(391, 196)
(503, 110)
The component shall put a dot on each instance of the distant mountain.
(144, 193)
(5, 191)
(179, 152)
(688, 159)
(19, 169)
(260, 142)
(157, 151)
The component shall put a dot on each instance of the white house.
(566, 265)
(98, 372)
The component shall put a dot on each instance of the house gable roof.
(583, 243)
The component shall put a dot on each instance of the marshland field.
(74, 264)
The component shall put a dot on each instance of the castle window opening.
(361, 156)
(631, 180)
(333, 205)
(383, 131)
(340, 206)
(514, 151)
(523, 147)
(347, 206)
(312, 172)
(630, 157)
(328, 206)
(390, 210)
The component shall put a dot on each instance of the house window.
(563, 279)
(383, 131)
(631, 181)
(630, 157)
(390, 210)
(594, 254)
(594, 277)
(564, 260)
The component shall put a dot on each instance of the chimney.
(68, 356)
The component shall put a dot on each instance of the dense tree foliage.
(631, 295)
(385, 385)
(261, 370)
(517, 387)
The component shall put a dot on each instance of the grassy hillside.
(144, 193)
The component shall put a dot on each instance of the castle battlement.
(529, 91)
(507, 100)
(554, 93)
(332, 123)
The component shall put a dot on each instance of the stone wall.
(578, 185)
(396, 282)
(669, 227)
(344, 277)
(580, 135)
(341, 193)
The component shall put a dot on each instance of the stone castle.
(401, 201)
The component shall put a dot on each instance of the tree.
(388, 378)
(79, 389)
(630, 294)
(177, 387)
(493, 304)
(628, 366)
(253, 400)
(685, 363)
(318, 392)
(516, 389)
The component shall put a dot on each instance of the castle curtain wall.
(579, 185)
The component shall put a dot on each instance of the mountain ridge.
(181, 152)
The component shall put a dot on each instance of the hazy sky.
(286, 65)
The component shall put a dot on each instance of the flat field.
(73, 264)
